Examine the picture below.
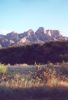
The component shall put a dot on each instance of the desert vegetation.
(3, 69)
(34, 82)
(34, 72)
(46, 82)
(56, 51)
(42, 75)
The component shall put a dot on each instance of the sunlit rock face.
(47, 35)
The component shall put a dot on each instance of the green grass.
(3, 68)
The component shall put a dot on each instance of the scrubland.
(34, 82)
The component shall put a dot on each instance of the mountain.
(48, 35)
(13, 36)
(30, 37)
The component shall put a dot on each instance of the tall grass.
(42, 76)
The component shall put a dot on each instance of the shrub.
(3, 68)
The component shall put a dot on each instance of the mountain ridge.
(31, 37)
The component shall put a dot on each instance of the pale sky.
(21, 15)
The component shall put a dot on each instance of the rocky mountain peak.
(12, 36)
(53, 33)
(12, 33)
(40, 30)
(30, 32)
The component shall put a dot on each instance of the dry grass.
(44, 83)
(21, 65)
(41, 77)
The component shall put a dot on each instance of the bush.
(3, 68)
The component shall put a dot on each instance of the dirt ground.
(34, 94)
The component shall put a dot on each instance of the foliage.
(54, 52)
(3, 68)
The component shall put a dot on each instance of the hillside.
(40, 53)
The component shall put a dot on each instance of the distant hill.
(56, 51)
(30, 37)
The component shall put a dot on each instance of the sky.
(21, 15)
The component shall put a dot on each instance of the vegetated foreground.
(35, 82)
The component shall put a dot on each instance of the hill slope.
(40, 53)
